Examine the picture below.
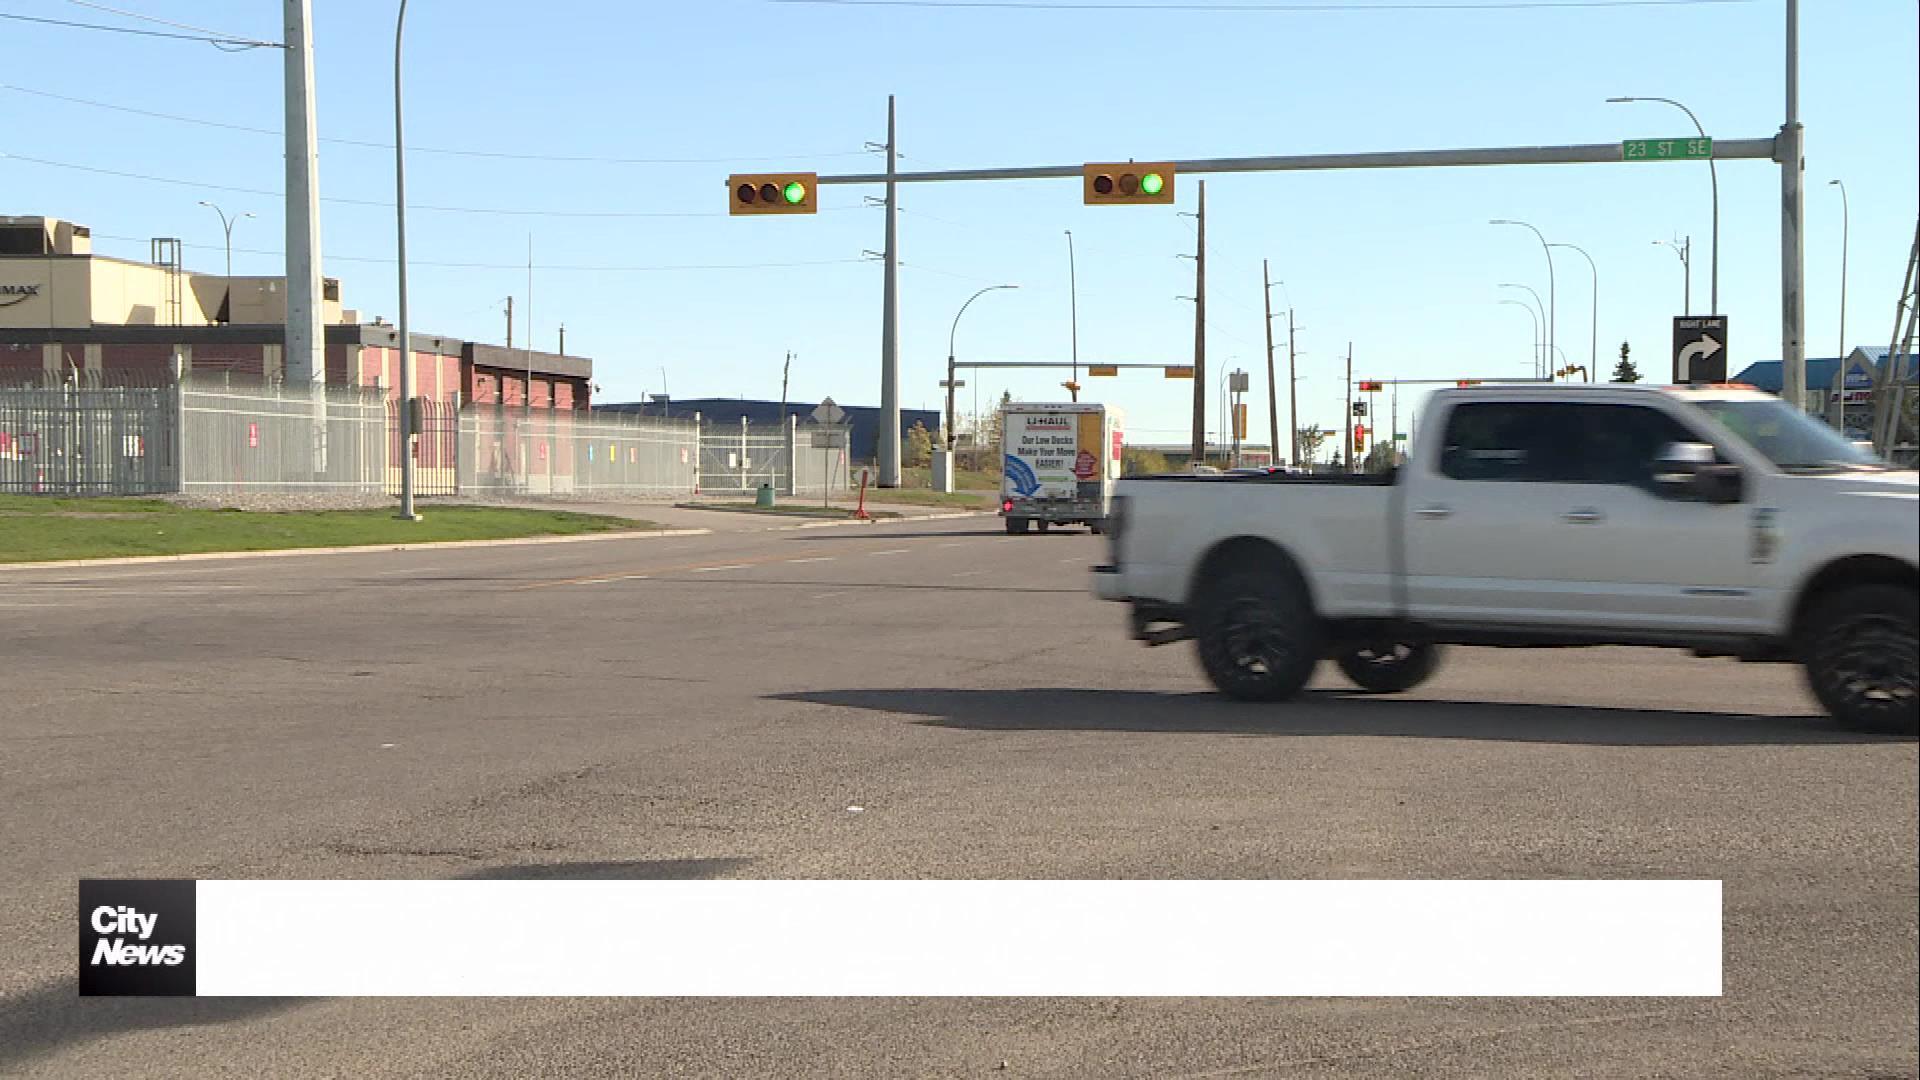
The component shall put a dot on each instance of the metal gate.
(436, 447)
(740, 458)
(76, 440)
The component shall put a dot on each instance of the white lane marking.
(711, 569)
(968, 573)
(952, 544)
(414, 570)
(816, 558)
(890, 551)
(827, 595)
(1076, 558)
(605, 580)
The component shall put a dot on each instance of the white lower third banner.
(908, 938)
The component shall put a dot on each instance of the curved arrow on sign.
(1699, 350)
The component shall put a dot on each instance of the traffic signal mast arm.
(1582, 153)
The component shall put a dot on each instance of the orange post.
(860, 511)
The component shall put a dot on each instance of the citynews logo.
(136, 938)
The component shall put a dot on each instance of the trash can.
(764, 500)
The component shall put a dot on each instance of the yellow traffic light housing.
(773, 193)
(1147, 182)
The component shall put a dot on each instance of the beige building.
(67, 312)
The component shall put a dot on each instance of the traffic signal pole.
(1347, 449)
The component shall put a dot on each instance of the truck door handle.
(1586, 515)
(1436, 511)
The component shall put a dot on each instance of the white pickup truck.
(1716, 519)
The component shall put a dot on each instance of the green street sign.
(1666, 150)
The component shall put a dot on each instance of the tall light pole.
(1534, 342)
(1553, 295)
(226, 226)
(1541, 326)
(400, 230)
(1713, 173)
(950, 384)
(1846, 222)
(1593, 323)
(1684, 249)
(1073, 314)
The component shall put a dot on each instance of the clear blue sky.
(1401, 263)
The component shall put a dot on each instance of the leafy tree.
(1311, 439)
(919, 448)
(1379, 459)
(995, 425)
(1625, 371)
(1138, 461)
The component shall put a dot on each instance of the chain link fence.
(507, 452)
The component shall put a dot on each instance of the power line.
(73, 25)
(221, 41)
(450, 151)
(662, 267)
(501, 211)
(1257, 8)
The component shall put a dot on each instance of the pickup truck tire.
(1257, 634)
(1861, 648)
(1393, 668)
(1016, 526)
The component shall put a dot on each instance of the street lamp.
(950, 384)
(1553, 295)
(1533, 342)
(1685, 251)
(1540, 309)
(400, 232)
(1846, 220)
(1713, 173)
(226, 226)
(1593, 322)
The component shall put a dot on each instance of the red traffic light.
(1468, 382)
(1369, 387)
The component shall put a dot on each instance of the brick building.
(68, 313)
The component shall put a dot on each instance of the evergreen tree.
(1624, 371)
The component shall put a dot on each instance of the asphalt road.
(711, 706)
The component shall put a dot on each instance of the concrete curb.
(276, 553)
(889, 521)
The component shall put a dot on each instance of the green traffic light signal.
(795, 193)
(1152, 183)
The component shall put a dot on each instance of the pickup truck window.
(1788, 437)
(1558, 442)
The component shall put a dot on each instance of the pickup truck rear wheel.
(1016, 526)
(1391, 668)
(1861, 650)
(1258, 638)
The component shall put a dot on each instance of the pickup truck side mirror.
(1691, 472)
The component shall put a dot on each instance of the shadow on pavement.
(911, 586)
(1323, 712)
(851, 533)
(52, 1015)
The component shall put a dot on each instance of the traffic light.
(1369, 387)
(1127, 182)
(1359, 439)
(773, 193)
(1467, 382)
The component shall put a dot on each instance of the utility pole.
(1293, 392)
(1347, 449)
(563, 339)
(1273, 394)
(529, 324)
(1200, 336)
(889, 454)
(785, 368)
(1793, 250)
(1393, 427)
(509, 322)
(305, 360)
